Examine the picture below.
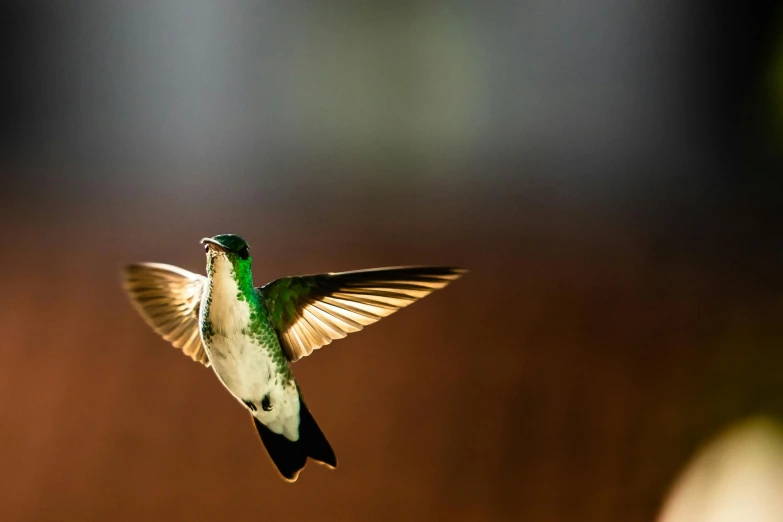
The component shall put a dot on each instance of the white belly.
(250, 375)
(242, 366)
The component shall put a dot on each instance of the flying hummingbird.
(250, 336)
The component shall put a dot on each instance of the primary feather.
(311, 311)
(169, 298)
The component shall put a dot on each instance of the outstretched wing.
(168, 298)
(312, 311)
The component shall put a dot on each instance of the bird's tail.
(291, 456)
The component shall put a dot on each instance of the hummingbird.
(249, 336)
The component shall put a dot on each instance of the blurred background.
(609, 171)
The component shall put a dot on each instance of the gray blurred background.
(609, 171)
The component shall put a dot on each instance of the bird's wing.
(312, 311)
(168, 298)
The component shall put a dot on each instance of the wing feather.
(169, 298)
(311, 311)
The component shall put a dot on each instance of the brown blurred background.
(609, 171)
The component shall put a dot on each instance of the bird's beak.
(212, 243)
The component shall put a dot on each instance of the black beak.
(212, 243)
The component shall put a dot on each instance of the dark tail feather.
(316, 445)
(291, 456)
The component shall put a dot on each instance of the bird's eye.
(244, 252)
(206, 248)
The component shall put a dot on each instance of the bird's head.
(231, 246)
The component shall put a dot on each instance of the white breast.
(226, 312)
